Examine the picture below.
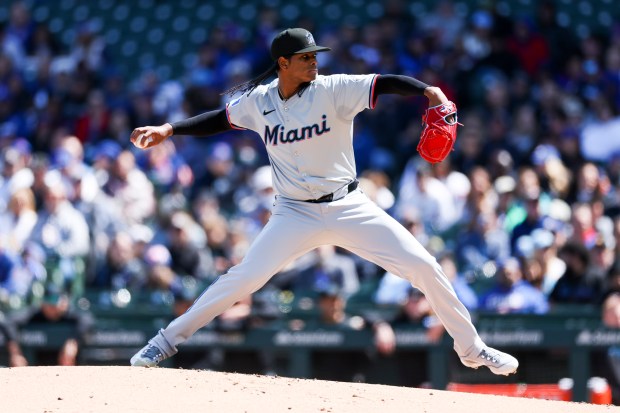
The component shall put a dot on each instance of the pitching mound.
(161, 390)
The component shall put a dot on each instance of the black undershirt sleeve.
(216, 121)
(399, 85)
(205, 124)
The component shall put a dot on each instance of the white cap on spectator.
(459, 184)
(157, 254)
(141, 233)
(542, 238)
(262, 179)
(560, 210)
(504, 184)
(525, 246)
(181, 220)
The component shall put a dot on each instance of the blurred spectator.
(255, 200)
(68, 159)
(164, 287)
(162, 281)
(40, 166)
(413, 307)
(141, 103)
(599, 137)
(62, 231)
(558, 177)
(543, 268)
(9, 337)
(561, 40)
(602, 257)
(58, 309)
(103, 213)
(444, 24)
(477, 39)
(577, 285)
(457, 183)
(15, 173)
(376, 185)
(611, 311)
(221, 175)
(511, 293)
(166, 169)
(507, 214)
(481, 241)
(217, 232)
(18, 221)
(612, 281)
(394, 290)
(89, 48)
(584, 231)
(131, 189)
(465, 293)
(482, 198)
(42, 45)
(607, 363)
(590, 184)
(187, 245)
(345, 366)
(19, 272)
(20, 28)
(533, 220)
(102, 157)
(322, 266)
(529, 46)
(93, 124)
(122, 267)
(430, 196)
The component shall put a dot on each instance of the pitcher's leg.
(371, 233)
(287, 236)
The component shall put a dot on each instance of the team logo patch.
(309, 38)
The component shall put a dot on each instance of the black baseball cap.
(292, 41)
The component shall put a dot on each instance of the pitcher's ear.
(283, 62)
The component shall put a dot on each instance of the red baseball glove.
(439, 133)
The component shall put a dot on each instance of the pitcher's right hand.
(148, 136)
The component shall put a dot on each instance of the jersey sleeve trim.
(232, 125)
(372, 98)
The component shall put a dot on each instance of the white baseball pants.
(354, 223)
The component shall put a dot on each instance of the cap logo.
(309, 38)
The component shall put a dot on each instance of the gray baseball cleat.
(149, 356)
(497, 361)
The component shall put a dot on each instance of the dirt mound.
(162, 390)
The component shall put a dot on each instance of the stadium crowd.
(524, 214)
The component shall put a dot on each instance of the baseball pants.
(354, 223)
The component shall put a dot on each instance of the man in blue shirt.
(511, 293)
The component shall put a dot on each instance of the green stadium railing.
(120, 333)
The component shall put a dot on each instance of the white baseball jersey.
(309, 138)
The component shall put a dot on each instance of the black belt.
(330, 197)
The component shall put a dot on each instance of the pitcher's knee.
(421, 269)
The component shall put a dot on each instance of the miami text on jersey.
(272, 136)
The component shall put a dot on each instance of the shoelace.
(153, 353)
(488, 356)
